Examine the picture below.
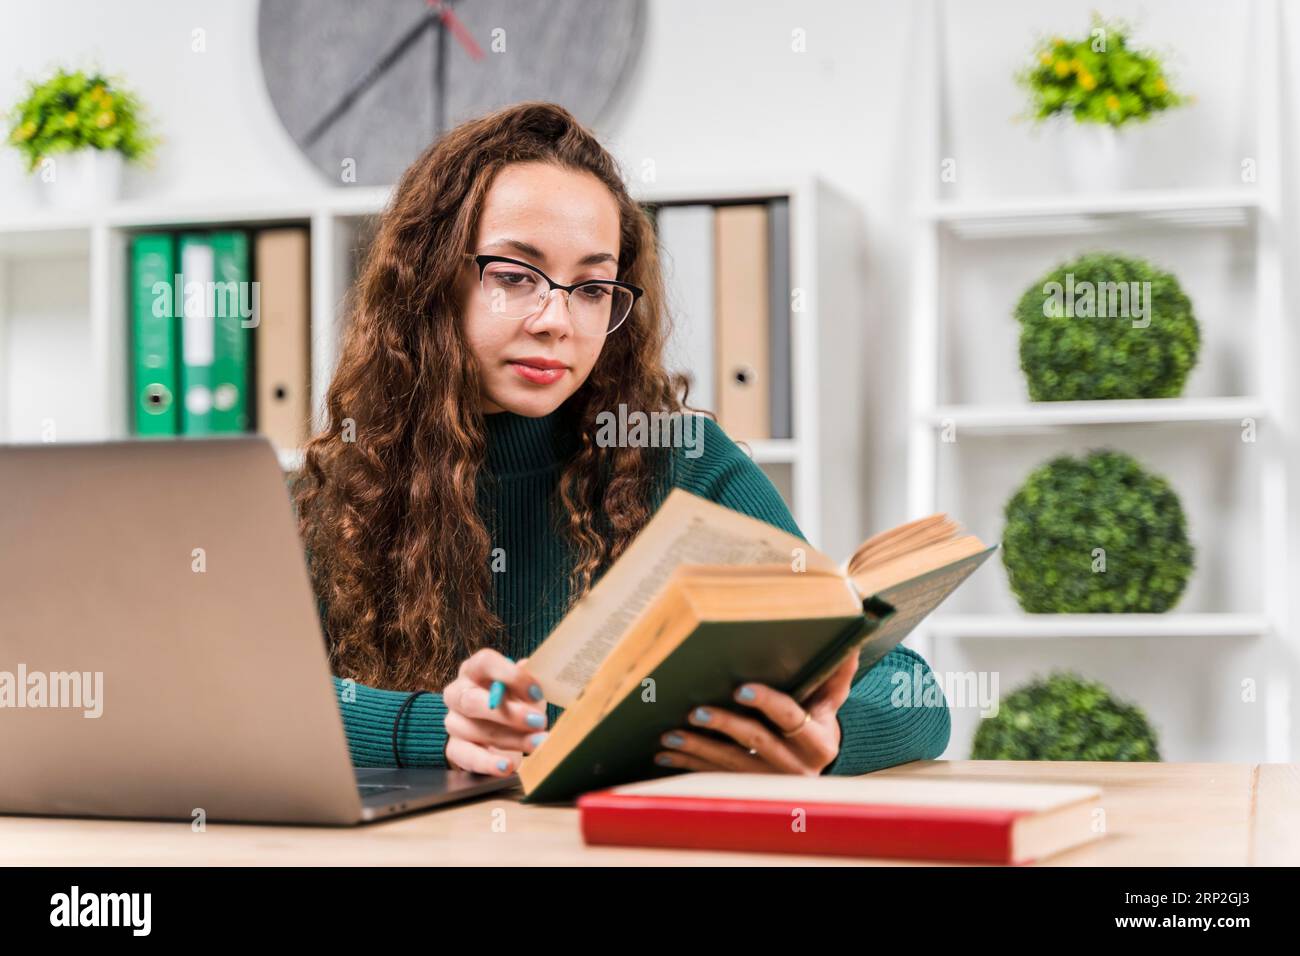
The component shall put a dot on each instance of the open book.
(705, 599)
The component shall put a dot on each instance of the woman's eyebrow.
(528, 249)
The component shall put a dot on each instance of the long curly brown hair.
(387, 495)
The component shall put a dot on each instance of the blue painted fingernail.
(664, 760)
(536, 720)
(503, 764)
(702, 715)
(745, 693)
(495, 694)
(535, 692)
(674, 740)
(537, 739)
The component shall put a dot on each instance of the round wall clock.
(368, 85)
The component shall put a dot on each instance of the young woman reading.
(456, 502)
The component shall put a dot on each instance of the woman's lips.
(538, 376)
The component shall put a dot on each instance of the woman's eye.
(513, 278)
(594, 291)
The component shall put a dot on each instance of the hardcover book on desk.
(967, 821)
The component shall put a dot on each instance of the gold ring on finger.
(802, 724)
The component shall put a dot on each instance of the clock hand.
(368, 79)
(457, 28)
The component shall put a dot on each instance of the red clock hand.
(457, 28)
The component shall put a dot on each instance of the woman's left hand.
(810, 744)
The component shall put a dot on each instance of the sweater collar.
(517, 444)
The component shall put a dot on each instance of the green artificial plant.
(1106, 326)
(75, 110)
(1096, 534)
(1065, 717)
(1100, 78)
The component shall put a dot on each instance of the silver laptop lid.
(157, 591)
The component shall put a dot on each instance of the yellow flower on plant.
(105, 119)
(27, 130)
(70, 119)
(1087, 81)
(1062, 68)
(1112, 102)
(1045, 58)
(1161, 85)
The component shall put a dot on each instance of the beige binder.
(283, 342)
(741, 290)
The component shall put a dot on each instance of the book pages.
(686, 529)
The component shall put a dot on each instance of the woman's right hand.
(493, 741)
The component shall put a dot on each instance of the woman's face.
(565, 223)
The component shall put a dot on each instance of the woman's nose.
(552, 314)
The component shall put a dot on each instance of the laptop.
(161, 653)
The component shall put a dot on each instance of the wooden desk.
(1157, 815)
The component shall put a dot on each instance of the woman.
(457, 503)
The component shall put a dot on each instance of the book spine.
(281, 341)
(196, 333)
(822, 829)
(780, 357)
(686, 249)
(155, 335)
(743, 318)
(231, 330)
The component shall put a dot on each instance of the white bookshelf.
(1037, 626)
(1045, 415)
(970, 442)
(72, 342)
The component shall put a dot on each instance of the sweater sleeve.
(368, 717)
(878, 728)
(895, 713)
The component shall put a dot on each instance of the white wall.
(719, 89)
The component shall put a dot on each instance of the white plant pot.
(1097, 158)
(79, 180)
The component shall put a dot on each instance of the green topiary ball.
(1106, 326)
(1065, 718)
(1096, 534)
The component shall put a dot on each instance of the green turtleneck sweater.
(523, 463)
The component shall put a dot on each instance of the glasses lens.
(512, 291)
(599, 307)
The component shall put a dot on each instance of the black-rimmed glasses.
(516, 290)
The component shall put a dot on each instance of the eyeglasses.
(517, 290)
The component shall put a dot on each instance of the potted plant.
(74, 130)
(1095, 87)
(1065, 717)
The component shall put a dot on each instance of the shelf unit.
(943, 224)
(89, 250)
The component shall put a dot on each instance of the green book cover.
(913, 600)
(155, 335)
(215, 339)
(794, 656)
(647, 597)
(789, 655)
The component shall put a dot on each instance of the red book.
(889, 817)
